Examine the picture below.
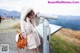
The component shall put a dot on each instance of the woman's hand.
(28, 20)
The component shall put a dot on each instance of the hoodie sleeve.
(23, 28)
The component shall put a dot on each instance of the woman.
(28, 24)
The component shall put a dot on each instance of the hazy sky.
(42, 6)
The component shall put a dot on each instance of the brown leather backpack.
(22, 42)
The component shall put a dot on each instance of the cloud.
(42, 6)
(11, 4)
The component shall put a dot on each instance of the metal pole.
(45, 36)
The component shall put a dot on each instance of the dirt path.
(9, 38)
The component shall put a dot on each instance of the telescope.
(46, 16)
(45, 29)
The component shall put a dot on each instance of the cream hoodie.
(28, 28)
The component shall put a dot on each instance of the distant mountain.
(10, 14)
(72, 22)
(2, 12)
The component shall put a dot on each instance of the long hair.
(28, 15)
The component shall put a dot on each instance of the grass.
(62, 46)
(16, 26)
(71, 33)
(9, 26)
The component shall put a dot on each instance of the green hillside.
(61, 42)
